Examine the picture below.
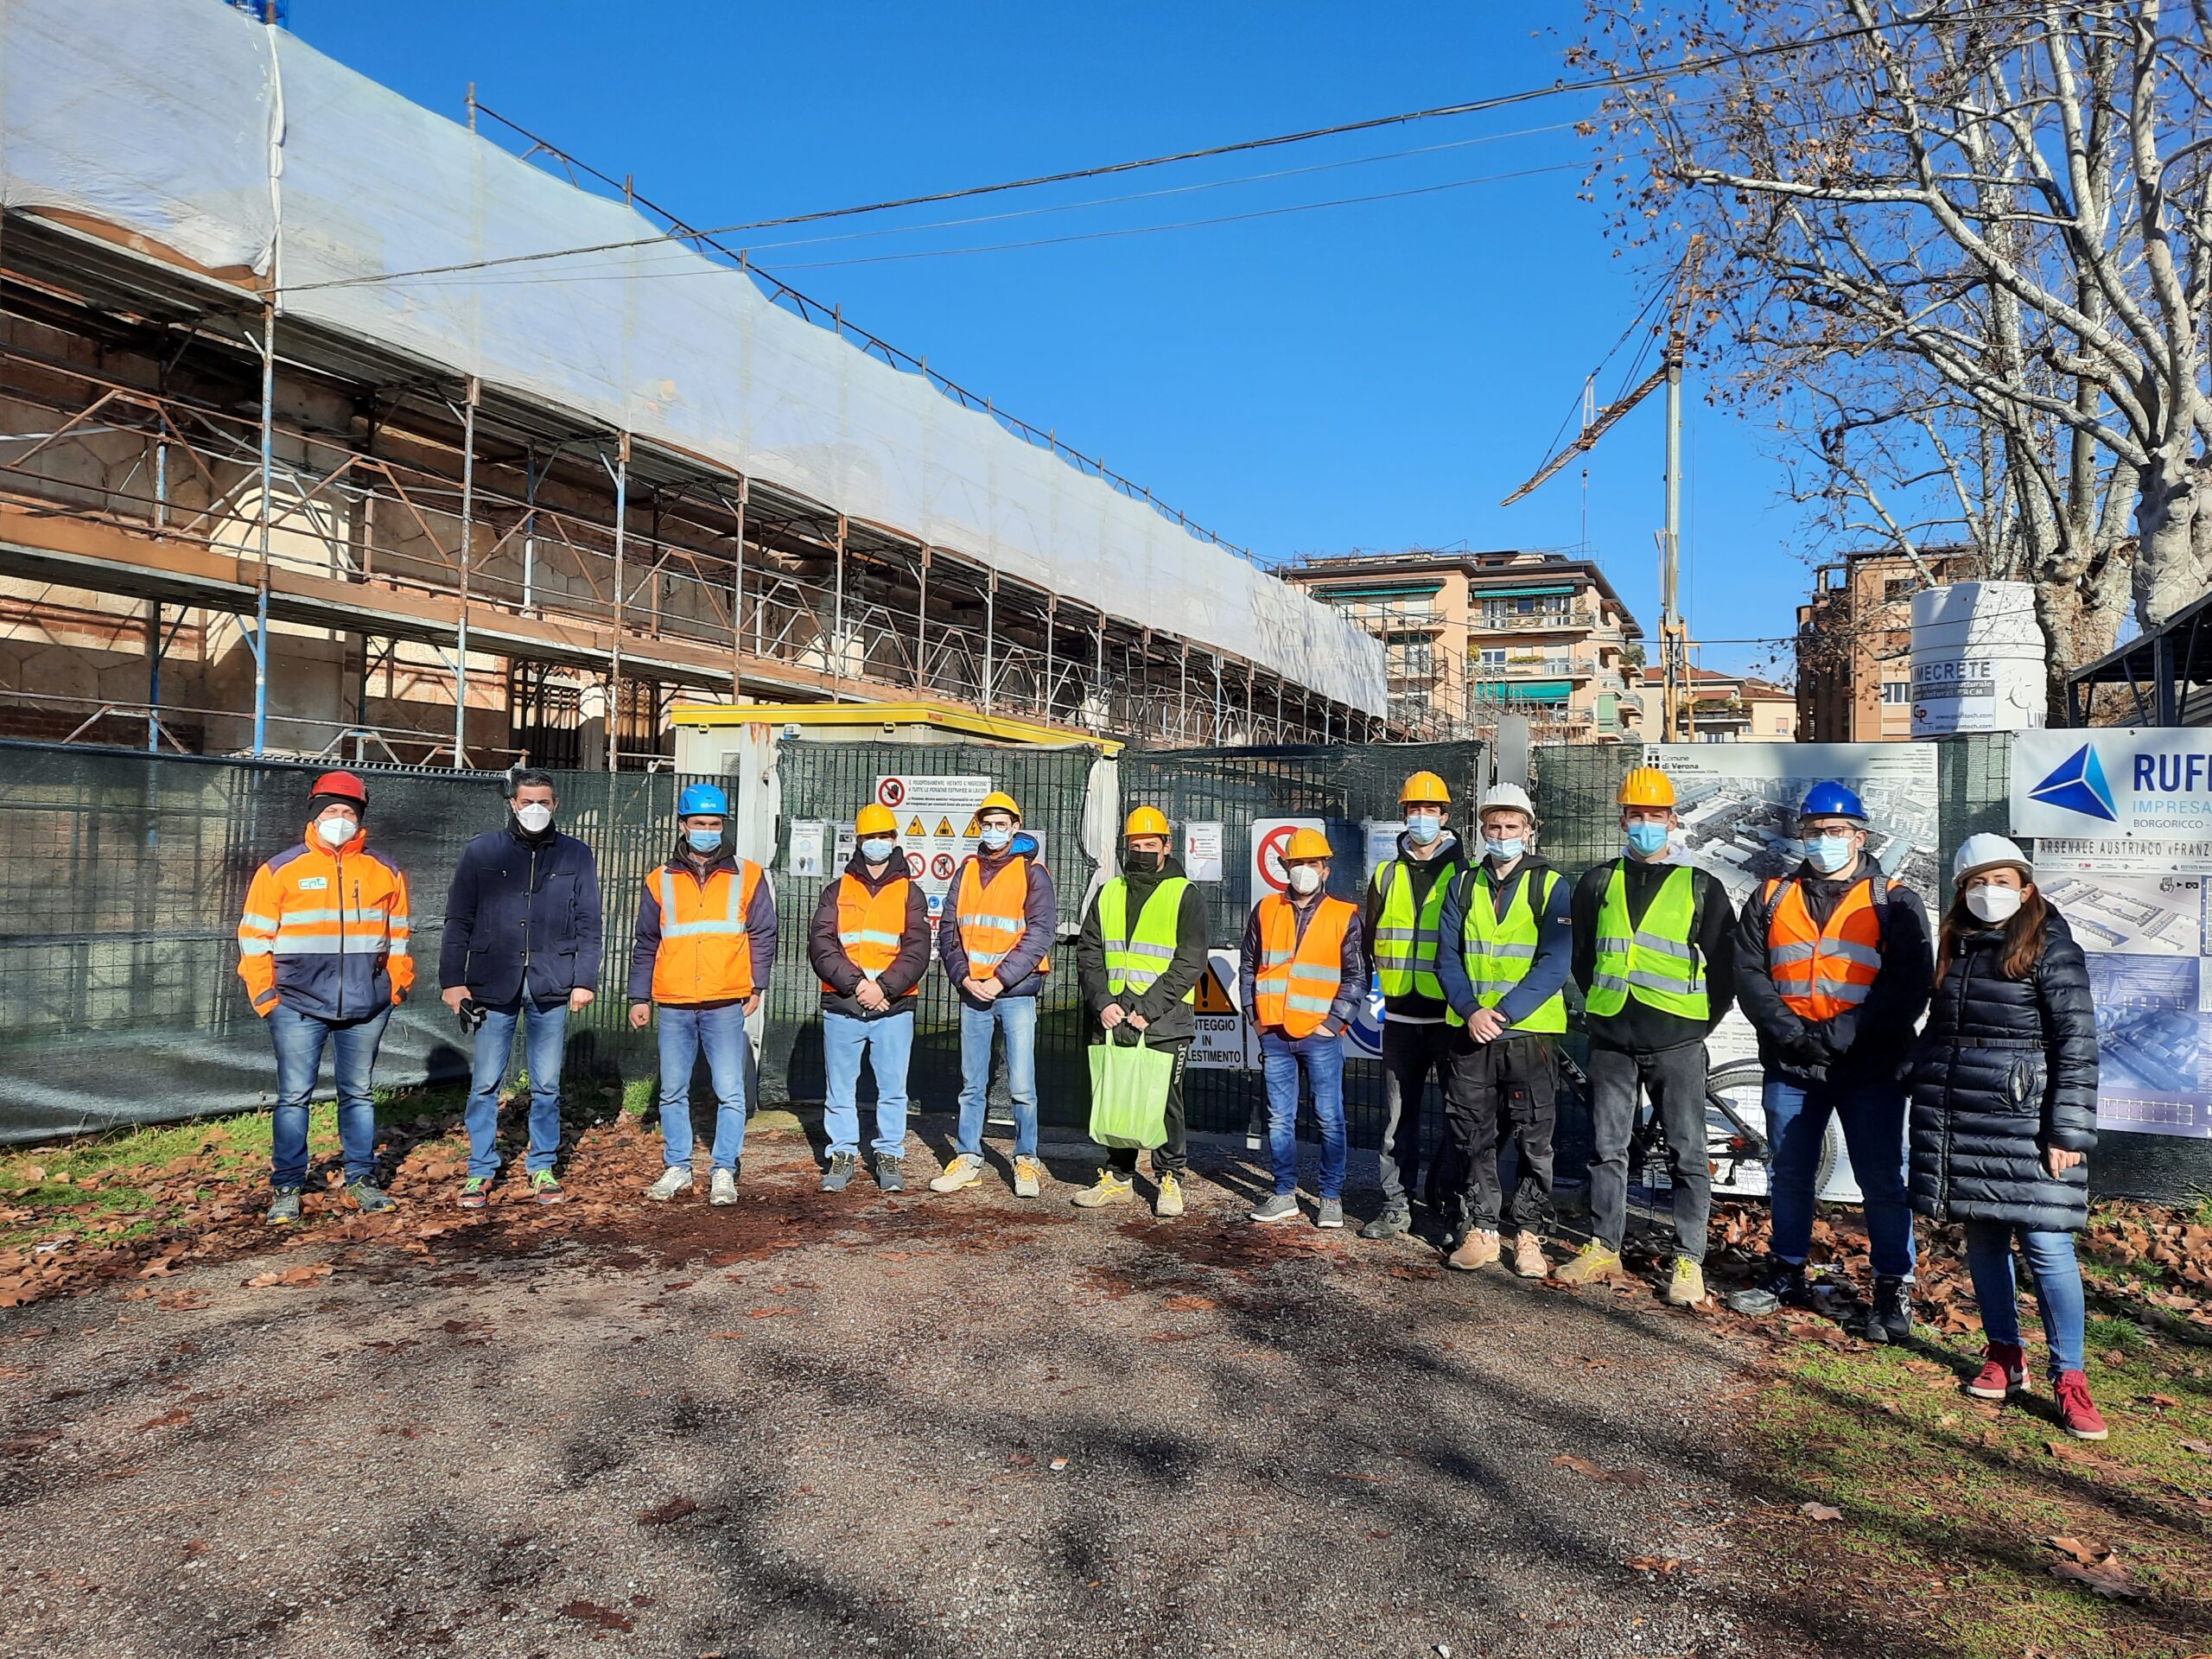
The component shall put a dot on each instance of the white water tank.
(1978, 659)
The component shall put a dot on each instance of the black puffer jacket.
(2006, 1068)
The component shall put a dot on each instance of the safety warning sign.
(1270, 836)
(937, 824)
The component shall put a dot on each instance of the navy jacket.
(1040, 914)
(522, 915)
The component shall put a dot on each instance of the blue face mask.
(704, 840)
(1504, 851)
(876, 850)
(1424, 828)
(1647, 838)
(1828, 853)
(997, 838)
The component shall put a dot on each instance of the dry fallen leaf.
(1653, 1563)
(1590, 1470)
(2082, 1549)
(1813, 1511)
(675, 1510)
(590, 1612)
(2202, 1448)
(2106, 1578)
(174, 1417)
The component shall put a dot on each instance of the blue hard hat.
(702, 800)
(1832, 801)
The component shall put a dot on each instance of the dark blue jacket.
(519, 911)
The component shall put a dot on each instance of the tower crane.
(1674, 636)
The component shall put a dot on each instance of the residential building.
(1468, 635)
(1723, 708)
(1854, 643)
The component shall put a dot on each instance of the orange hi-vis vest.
(1821, 972)
(871, 926)
(994, 915)
(705, 955)
(1297, 980)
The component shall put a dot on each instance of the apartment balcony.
(1481, 621)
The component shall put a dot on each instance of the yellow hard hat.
(1426, 788)
(999, 801)
(876, 819)
(1306, 844)
(1646, 786)
(1146, 821)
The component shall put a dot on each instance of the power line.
(1474, 107)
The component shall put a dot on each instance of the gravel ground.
(814, 1424)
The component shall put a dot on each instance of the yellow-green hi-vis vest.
(1136, 958)
(1499, 951)
(1406, 944)
(1654, 962)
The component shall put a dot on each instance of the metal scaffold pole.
(737, 600)
(468, 540)
(268, 486)
(620, 473)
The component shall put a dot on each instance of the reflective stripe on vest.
(1654, 961)
(1406, 944)
(871, 926)
(1135, 961)
(1499, 951)
(705, 955)
(994, 915)
(1820, 972)
(1297, 979)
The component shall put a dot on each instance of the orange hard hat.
(1646, 786)
(1426, 788)
(342, 785)
(1305, 844)
(876, 819)
(1146, 821)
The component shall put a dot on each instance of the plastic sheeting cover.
(157, 116)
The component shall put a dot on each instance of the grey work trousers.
(1675, 1078)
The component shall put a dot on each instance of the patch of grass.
(1947, 1501)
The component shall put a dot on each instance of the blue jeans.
(1322, 1058)
(889, 1040)
(1873, 1116)
(299, 1039)
(545, 1034)
(2058, 1287)
(683, 1032)
(1017, 1017)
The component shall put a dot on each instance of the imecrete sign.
(2110, 781)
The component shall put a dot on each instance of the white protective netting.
(168, 117)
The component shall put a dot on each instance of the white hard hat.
(1506, 798)
(1989, 852)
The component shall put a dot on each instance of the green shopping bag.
(1129, 1093)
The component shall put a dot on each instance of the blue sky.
(1376, 375)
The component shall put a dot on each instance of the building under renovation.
(308, 446)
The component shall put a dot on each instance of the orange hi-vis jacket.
(871, 926)
(705, 953)
(1822, 972)
(326, 932)
(1297, 979)
(994, 915)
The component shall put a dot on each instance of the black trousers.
(1410, 1054)
(1172, 1157)
(1495, 1092)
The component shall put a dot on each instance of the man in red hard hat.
(323, 950)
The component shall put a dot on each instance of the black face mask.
(1143, 863)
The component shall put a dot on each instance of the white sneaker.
(676, 1179)
(723, 1188)
(966, 1170)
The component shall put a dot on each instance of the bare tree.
(1965, 249)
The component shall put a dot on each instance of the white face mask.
(1304, 879)
(534, 817)
(1993, 904)
(336, 832)
(877, 849)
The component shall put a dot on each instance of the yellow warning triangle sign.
(944, 826)
(915, 828)
(972, 831)
(1212, 999)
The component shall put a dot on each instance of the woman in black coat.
(2005, 1111)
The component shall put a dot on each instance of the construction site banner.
(1738, 806)
(2121, 828)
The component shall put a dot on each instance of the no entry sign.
(1270, 839)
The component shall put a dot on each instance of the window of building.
(1897, 691)
(1897, 588)
(1491, 656)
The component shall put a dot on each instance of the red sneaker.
(2076, 1410)
(2004, 1371)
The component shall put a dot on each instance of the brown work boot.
(1479, 1250)
(1528, 1255)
